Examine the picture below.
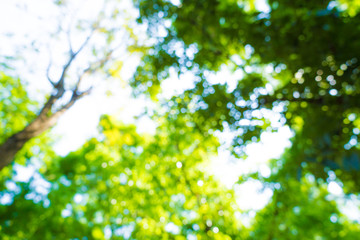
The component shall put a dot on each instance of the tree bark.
(15, 143)
(44, 121)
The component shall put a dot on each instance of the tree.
(100, 59)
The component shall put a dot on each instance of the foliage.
(296, 64)
(302, 211)
(17, 110)
(298, 59)
(130, 185)
(136, 186)
(15, 107)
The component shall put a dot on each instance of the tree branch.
(45, 119)
(48, 73)
(60, 84)
(92, 68)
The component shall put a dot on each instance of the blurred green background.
(212, 79)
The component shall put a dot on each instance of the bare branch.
(85, 42)
(48, 116)
(68, 34)
(60, 83)
(48, 74)
(75, 97)
(59, 86)
(85, 93)
(48, 69)
(93, 67)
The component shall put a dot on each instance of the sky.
(28, 27)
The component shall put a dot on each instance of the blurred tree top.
(139, 185)
(296, 60)
(132, 186)
(299, 59)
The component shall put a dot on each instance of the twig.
(48, 69)
(60, 84)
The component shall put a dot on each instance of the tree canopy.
(254, 66)
(299, 59)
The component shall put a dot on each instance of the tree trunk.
(14, 143)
